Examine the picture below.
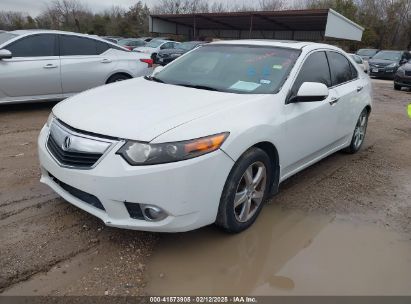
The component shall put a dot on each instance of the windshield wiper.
(197, 86)
(153, 78)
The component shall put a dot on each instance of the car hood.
(381, 62)
(172, 51)
(140, 109)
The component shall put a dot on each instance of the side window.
(73, 45)
(34, 46)
(101, 47)
(314, 69)
(341, 69)
(354, 72)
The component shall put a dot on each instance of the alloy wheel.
(360, 129)
(250, 192)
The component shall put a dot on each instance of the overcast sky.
(34, 7)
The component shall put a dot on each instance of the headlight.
(400, 71)
(138, 153)
(50, 119)
(392, 65)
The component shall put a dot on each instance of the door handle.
(359, 88)
(334, 100)
(50, 66)
(105, 60)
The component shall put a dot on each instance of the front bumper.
(403, 81)
(189, 191)
(382, 72)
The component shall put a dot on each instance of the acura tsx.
(206, 139)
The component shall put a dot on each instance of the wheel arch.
(272, 152)
(118, 73)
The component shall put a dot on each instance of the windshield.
(155, 43)
(232, 68)
(4, 37)
(187, 45)
(388, 55)
(366, 52)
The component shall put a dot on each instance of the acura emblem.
(66, 143)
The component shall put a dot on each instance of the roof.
(328, 21)
(266, 42)
(262, 20)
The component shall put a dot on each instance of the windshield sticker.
(265, 81)
(277, 67)
(245, 86)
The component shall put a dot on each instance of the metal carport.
(312, 25)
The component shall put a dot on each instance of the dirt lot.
(348, 215)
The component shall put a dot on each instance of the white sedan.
(208, 138)
(38, 65)
(363, 64)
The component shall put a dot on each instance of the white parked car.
(209, 138)
(361, 62)
(37, 65)
(154, 46)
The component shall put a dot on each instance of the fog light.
(153, 213)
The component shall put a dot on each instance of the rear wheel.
(359, 133)
(245, 191)
(117, 78)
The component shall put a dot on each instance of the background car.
(165, 56)
(385, 63)
(41, 65)
(154, 46)
(132, 43)
(362, 63)
(366, 54)
(403, 77)
(113, 39)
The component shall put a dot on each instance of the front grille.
(407, 73)
(81, 195)
(69, 158)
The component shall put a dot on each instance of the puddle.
(284, 253)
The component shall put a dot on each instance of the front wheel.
(397, 87)
(359, 133)
(245, 191)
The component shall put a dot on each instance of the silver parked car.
(37, 65)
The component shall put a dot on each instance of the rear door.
(349, 86)
(34, 71)
(85, 63)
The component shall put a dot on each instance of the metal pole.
(251, 26)
(195, 29)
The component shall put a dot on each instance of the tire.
(117, 78)
(359, 133)
(397, 87)
(250, 191)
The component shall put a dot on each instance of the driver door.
(310, 126)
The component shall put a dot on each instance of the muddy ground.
(340, 227)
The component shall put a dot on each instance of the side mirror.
(5, 54)
(157, 70)
(310, 92)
